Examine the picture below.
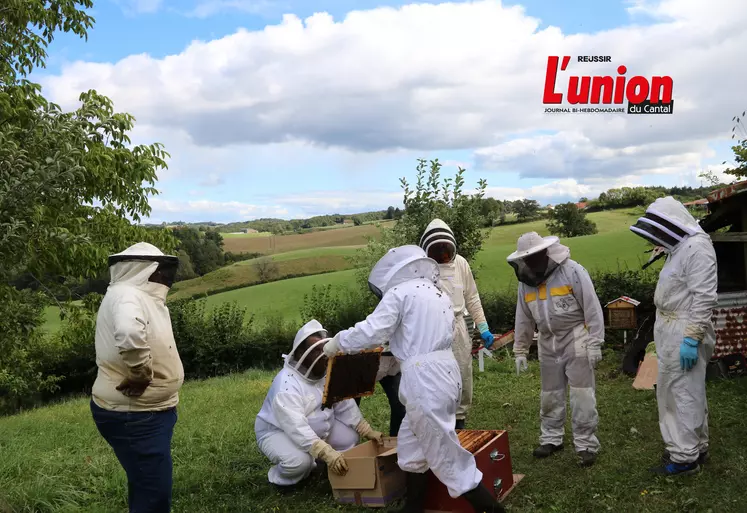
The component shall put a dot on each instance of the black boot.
(543, 451)
(483, 501)
(459, 424)
(417, 485)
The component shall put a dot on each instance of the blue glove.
(487, 337)
(688, 353)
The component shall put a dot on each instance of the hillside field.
(218, 468)
(614, 246)
(342, 236)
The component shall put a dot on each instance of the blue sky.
(263, 174)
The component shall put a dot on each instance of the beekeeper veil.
(307, 356)
(399, 265)
(143, 263)
(536, 258)
(666, 223)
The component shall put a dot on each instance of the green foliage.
(70, 182)
(186, 270)
(357, 221)
(204, 249)
(28, 26)
(739, 171)
(566, 220)
(526, 209)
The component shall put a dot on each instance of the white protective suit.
(292, 419)
(459, 283)
(134, 336)
(685, 297)
(569, 318)
(416, 318)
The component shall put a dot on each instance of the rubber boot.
(417, 485)
(543, 451)
(459, 424)
(482, 501)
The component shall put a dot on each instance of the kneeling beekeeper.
(292, 428)
(416, 318)
(557, 295)
(685, 297)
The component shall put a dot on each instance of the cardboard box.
(373, 479)
(647, 373)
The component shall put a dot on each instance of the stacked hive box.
(493, 458)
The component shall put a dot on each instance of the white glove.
(521, 364)
(334, 460)
(595, 356)
(365, 430)
(332, 347)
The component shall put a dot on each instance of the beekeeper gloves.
(688, 353)
(485, 334)
(521, 364)
(335, 461)
(365, 430)
(332, 347)
(595, 356)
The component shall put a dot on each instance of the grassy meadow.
(327, 252)
(53, 459)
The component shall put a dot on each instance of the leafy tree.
(526, 209)
(389, 213)
(739, 134)
(267, 269)
(567, 220)
(431, 198)
(186, 270)
(357, 221)
(70, 184)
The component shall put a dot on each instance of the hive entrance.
(350, 376)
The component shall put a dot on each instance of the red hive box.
(493, 459)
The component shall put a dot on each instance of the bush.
(219, 341)
(567, 220)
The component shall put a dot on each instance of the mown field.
(53, 459)
(349, 236)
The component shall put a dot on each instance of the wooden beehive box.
(620, 313)
(350, 376)
(493, 459)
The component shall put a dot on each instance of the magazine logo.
(607, 93)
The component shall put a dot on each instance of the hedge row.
(222, 340)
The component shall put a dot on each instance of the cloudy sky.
(293, 108)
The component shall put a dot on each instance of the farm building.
(699, 203)
(726, 223)
(249, 230)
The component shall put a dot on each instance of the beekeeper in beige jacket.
(457, 281)
(139, 373)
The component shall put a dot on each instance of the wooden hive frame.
(350, 376)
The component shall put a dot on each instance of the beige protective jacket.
(134, 337)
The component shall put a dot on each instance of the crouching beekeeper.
(292, 428)
(415, 316)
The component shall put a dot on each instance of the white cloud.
(203, 210)
(433, 78)
(212, 180)
(140, 6)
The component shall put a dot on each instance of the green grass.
(217, 467)
(281, 297)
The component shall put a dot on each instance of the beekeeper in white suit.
(457, 281)
(416, 318)
(292, 428)
(685, 297)
(557, 296)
